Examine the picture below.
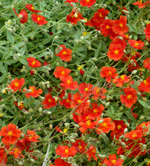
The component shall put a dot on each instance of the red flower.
(108, 72)
(120, 26)
(16, 152)
(49, 101)
(64, 54)
(139, 4)
(24, 15)
(85, 88)
(67, 102)
(134, 134)
(147, 32)
(61, 71)
(119, 129)
(68, 83)
(98, 18)
(60, 162)
(113, 161)
(81, 72)
(31, 136)
(87, 3)
(3, 156)
(106, 29)
(136, 44)
(105, 126)
(65, 151)
(116, 52)
(34, 92)
(33, 62)
(69, 1)
(89, 124)
(74, 17)
(40, 20)
(16, 84)
(120, 81)
(31, 8)
(10, 133)
(91, 152)
(96, 111)
(145, 86)
(129, 98)
(146, 63)
(80, 145)
(98, 92)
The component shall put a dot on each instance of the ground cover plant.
(74, 83)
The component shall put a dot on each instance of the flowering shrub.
(74, 83)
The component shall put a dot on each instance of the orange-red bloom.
(91, 152)
(87, 3)
(10, 133)
(99, 93)
(109, 73)
(31, 8)
(96, 111)
(120, 81)
(61, 71)
(34, 92)
(24, 15)
(31, 136)
(80, 145)
(60, 162)
(65, 53)
(40, 20)
(139, 4)
(65, 151)
(130, 97)
(106, 29)
(105, 126)
(85, 88)
(147, 32)
(68, 83)
(134, 134)
(116, 52)
(49, 101)
(113, 161)
(16, 152)
(74, 17)
(3, 156)
(145, 86)
(32, 62)
(146, 63)
(120, 26)
(16, 84)
(98, 18)
(136, 44)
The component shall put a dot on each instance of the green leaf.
(98, 49)
(130, 116)
(10, 37)
(143, 104)
(2, 69)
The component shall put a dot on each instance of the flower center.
(87, 0)
(86, 89)
(134, 135)
(113, 161)
(100, 15)
(119, 127)
(32, 8)
(79, 101)
(66, 151)
(64, 52)
(33, 62)
(145, 82)
(16, 84)
(88, 122)
(80, 147)
(136, 44)
(129, 96)
(95, 110)
(67, 100)
(109, 73)
(49, 100)
(9, 133)
(38, 18)
(63, 72)
(122, 77)
(116, 51)
(107, 27)
(104, 124)
(121, 25)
